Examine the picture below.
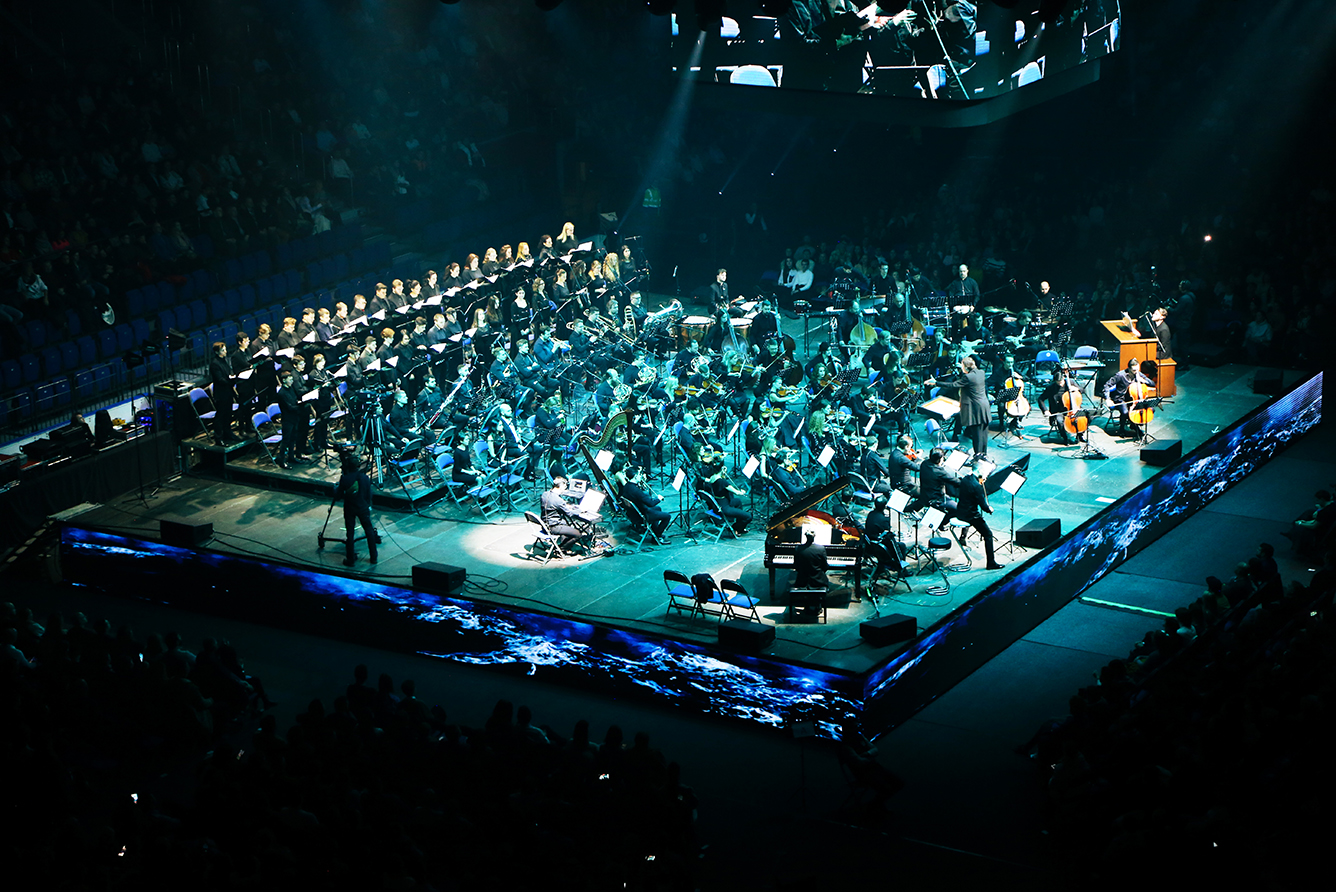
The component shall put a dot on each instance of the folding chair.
(681, 594)
(861, 492)
(639, 525)
(714, 518)
(544, 540)
(258, 421)
(739, 602)
(710, 599)
(508, 481)
(485, 493)
(197, 397)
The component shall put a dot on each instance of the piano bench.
(808, 603)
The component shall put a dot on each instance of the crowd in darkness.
(1210, 734)
(137, 762)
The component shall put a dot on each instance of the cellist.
(1118, 388)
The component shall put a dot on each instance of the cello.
(1140, 412)
(1018, 406)
(1074, 421)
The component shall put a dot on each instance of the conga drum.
(693, 328)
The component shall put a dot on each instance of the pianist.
(810, 564)
(560, 518)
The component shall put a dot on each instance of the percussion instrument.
(693, 328)
(741, 326)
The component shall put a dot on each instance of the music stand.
(1011, 484)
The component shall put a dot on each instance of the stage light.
(709, 14)
(1208, 237)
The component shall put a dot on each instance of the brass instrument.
(674, 307)
(629, 320)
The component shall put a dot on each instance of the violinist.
(935, 481)
(711, 479)
(902, 464)
(873, 467)
(1119, 390)
(781, 466)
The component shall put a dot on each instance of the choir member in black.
(471, 272)
(428, 401)
(305, 325)
(452, 278)
(380, 301)
(566, 242)
(224, 394)
(432, 287)
(414, 289)
(935, 481)
(339, 321)
(558, 517)
(324, 327)
(971, 506)
(974, 409)
(295, 420)
(384, 354)
(288, 336)
(439, 332)
(360, 308)
(321, 378)
(636, 491)
(963, 290)
(489, 264)
(1116, 392)
(545, 248)
(710, 478)
(900, 466)
(397, 297)
(354, 487)
(240, 361)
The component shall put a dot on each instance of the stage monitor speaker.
(438, 579)
(1269, 381)
(745, 635)
(889, 629)
(1039, 533)
(1162, 452)
(183, 533)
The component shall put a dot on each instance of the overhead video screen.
(928, 49)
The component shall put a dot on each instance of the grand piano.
(784, 533)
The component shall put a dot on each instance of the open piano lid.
(807, 499)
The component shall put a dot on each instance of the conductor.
(354, 487)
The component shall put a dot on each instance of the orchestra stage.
(277, 517)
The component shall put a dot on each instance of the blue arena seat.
(233, 273)
(63, 391)
(87, 350)
(51, 361)
(31, 366)
(101, 378)
(199, 315)
(11, 375)
(83, 384)
(141, 331)
(167, 296)
(294, 283)
(69, 356)
(248, 300)
(73, 327)
(35, 332)
(217, 304)
(134, 302)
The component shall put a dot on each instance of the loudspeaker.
(184, 533)
(745, 635)
(1270, 381)
(1162, 452)
(438, 579)
(885, 630)
(1039, 533)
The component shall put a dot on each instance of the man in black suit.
(637, 493)
(220, 376)
(963, 290)
(974, 409)
(556, 515)
(810, 564)
(934, 479)
(900, 468)
(354, 487)
(972, 506)
(719, 289)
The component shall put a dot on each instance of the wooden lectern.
(1144, 350)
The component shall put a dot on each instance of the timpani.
(693, 328)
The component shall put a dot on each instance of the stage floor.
(626, 590)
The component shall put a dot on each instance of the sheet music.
(955, 460)
(678, 480)
(310, 396)
(897, 501)
(289, 352)
(244, 374)
(1013, 482)
(342, 372)
(604, 459)
(309, 337)
(733, 431)
(826, 455)
(750, 467)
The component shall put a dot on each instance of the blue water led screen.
(984, 626)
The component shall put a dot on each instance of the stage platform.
(264, 512)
